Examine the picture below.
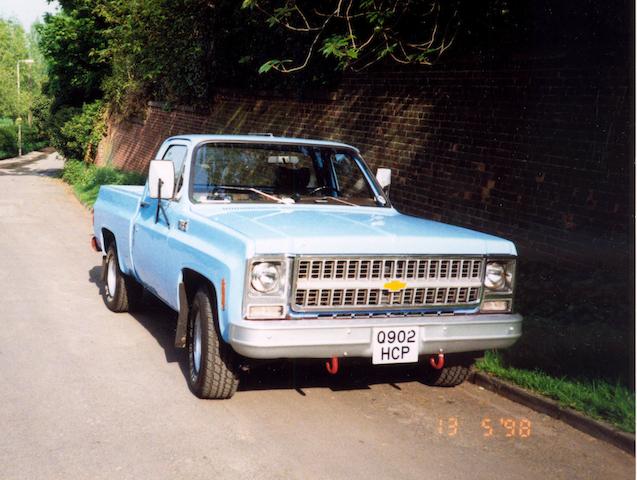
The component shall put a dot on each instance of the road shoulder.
(596, 428)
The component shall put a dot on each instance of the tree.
(16, 45)
(358, 34)
(71, 42)
(158, 49)
(13, 47)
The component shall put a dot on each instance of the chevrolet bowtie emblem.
(394, 285)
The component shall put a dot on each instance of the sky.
(26, 11)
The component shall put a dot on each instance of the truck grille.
(381, 283)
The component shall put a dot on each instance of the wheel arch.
(108, 238)
(191, 282)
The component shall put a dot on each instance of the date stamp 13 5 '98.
(490, 427)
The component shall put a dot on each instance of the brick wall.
(539, 154)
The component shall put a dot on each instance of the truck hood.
(297, 229)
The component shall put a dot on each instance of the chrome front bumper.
(353, 337)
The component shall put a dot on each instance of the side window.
(177, 155)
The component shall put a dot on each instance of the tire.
(212, 364)
(455, 371)
(121, 293)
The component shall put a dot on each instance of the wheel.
(121, 293)
(212, 364)
(455, 371)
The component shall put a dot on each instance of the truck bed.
(115, 209)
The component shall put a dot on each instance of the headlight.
(265, 277)
(267, 287)
(495, 276)
(498, 286)
(498, 276)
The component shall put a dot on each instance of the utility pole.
(28, 61)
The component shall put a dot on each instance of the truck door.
(150, 234)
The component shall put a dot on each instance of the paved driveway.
(86, 393)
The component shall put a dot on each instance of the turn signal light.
(265, 311)
(496, 306)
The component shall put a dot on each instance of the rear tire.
(121, 293)
(455, 372)
(212, 364)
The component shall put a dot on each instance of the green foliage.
(82, 132)
(76, 132)
(8, 139)
(612, 402)
(180, 51)
(86, 180)
(31, 139)
(74, 172)
(55, 121)
(357, 35)
(16, 45)
(175, 51)
(71, 42)
(270, 64)
(156, 53)
(340, 47)
(13, 47)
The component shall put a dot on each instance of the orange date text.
(489, 427)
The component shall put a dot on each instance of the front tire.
(212, 364)
(121, 293)
(455, 372)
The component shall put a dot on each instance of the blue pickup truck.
(274, 248)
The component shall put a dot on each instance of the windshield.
(280, 173)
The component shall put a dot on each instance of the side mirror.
(161, 179)
(383, 175)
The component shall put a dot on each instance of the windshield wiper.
(337, 200)
(255, 190)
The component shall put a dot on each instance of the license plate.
(395, 345)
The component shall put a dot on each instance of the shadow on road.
(354, 373)
(13, 166)
(154, 316)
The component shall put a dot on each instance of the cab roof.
(259, 138)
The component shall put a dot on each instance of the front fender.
(217, 255)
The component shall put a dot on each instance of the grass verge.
(598, 399)
(86, 180)
(577, 345)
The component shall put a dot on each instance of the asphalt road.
(86, 393)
